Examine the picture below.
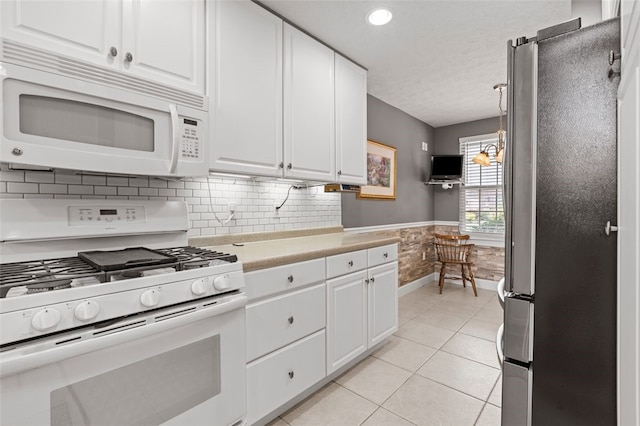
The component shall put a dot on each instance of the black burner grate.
(194, 257)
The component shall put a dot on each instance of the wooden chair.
(454, 250)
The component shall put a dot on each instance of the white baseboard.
(420, 282)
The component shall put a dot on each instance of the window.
(481, 207)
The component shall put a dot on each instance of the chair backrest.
(452, 248)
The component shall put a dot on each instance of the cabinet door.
(351, 122)
(383, 302)
(79, 29)
(247, 99)
(166, 41)
(346, 319)
(309, 136)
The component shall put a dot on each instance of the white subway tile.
(39, 177)
(52, 188)
(167, 192)
(25, 188)
(127, 190)
(81, 189)
(94, 180)
(117, 181)
(175, 184)
(11, 176)
(11, 196)
(38, 195)
(158, 183)
(68, 179)
(105, 190)
(152, 192)
(139, 181)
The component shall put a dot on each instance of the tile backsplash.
(309, 207)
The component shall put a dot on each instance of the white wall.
(306, 208)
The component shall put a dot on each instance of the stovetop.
(38, 276)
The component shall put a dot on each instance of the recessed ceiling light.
(379, 16)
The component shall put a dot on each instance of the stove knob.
(86, 310)
(46, 318)
(221, 283)
(150, 298)
(200, 287)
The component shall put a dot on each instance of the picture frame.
(381, 172)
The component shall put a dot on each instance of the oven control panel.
(98, 216)
(191, 139)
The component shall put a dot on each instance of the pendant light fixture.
(483, 157)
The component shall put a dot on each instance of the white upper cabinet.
(309, 132)
(161, 41)
(351, 122)
(247, 95)
(164, 41)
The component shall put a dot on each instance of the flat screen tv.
(446, 167)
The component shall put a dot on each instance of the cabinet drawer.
(276, 322)
(382, 254)
(267, 282)
(345, 263)
(280, 376)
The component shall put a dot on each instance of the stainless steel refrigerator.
(559, 337)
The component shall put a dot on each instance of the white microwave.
(53, 120)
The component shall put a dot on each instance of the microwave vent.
(28, 56)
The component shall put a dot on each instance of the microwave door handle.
(175, 136)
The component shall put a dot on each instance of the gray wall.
(446, 201)
(414, 199)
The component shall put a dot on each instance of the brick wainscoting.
(416, 240)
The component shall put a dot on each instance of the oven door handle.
(175, 138)
(16, 361)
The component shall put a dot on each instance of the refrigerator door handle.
(499, 342)
(501, 293)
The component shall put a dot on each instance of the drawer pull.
(290, 278)
(290, 319)
(291, 374)
(386, 255)
(373, 279)
(366, 281)
(351, 263)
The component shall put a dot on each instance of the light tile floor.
(440, 368)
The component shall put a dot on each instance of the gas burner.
(46, 275)
(194, 257)
(50, 285)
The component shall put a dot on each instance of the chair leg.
(464, 281)
(442, 274)
(473, 281)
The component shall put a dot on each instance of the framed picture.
(381, 172)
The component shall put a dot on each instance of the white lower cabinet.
(278, 377)
(301, 328)
(362, 309)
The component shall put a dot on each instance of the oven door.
(177, 366)
(57, 122)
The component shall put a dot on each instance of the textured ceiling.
(437, 60)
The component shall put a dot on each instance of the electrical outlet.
(424, 255)
(276, 212)
(232, 206)
(425, 147)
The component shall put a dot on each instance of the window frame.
(495, 238)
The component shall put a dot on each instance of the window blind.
(481, 196)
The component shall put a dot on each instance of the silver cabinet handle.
(281, 165)
(609, 228)
(386, 255)
(17, 151)
(291, 374)
(289, 166)
(350, 263)
(113, 51)
(339, 172)
(373, 279)
(290, 278)
(290, 319)
(366, 281)
(128, 57)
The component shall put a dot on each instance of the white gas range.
(107, 316)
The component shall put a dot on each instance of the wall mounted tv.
(446, 167)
